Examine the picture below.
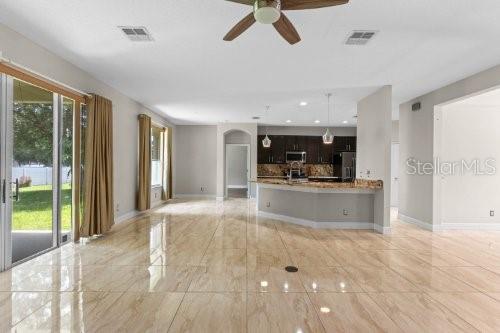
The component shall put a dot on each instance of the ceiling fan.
(271, 12)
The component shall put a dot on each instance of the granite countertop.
(358, 183)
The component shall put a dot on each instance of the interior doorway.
(466, 151)
(237, 170)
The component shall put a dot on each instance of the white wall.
(237, 165)
(195, 160)
(469, 132)
(373, 159)
(125, 110)
(306, 130)
(416, 137)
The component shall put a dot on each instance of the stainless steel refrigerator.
(348, 165)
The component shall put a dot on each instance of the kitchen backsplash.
(312, 170)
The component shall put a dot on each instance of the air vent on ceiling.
(137, 34)
(255, 118)
(360, 37)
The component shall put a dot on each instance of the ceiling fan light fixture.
(267, 11)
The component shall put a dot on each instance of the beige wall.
(195, 162)
(416, 137)
(125, 110)
(373, 158)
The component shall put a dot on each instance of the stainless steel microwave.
(298, 156)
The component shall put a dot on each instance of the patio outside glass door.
(36, 155)
(33, 176)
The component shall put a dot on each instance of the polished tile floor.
(206, 266)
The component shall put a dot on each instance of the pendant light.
(328, 136)
(266, 143)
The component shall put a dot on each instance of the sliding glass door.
(31, 157)
(36, 168)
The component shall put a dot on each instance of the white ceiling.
(190, 74)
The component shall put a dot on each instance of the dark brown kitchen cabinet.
(295, 143)
(312, 150)
(325, 153)
(278, 149)
(316, 151)
(344, 143)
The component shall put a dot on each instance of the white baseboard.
(382, 230)
(317, 225)
(450, 226)
(127, 216)
(411, 220)
(467, 226)
(194, 196)
(237, 186)
(158, 204)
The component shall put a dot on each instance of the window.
(156, 156)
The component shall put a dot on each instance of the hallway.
(207, 266)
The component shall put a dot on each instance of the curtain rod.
(27, 70)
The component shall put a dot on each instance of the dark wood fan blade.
(243, 2)
(287, 30)
(240, 27)
(310, 4)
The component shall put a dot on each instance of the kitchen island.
(336, 205)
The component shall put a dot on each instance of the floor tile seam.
(385, 267)
(303, 285)
(12, 325)
(441, 269)
(190, 281)
(451, 310)
(387, 313)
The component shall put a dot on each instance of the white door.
(394, 174)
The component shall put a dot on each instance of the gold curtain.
(144, 192)
(98, 214)
(167, 164)
(169, 191)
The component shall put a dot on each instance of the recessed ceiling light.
(345, 122)
(317, 121)
(303, 103)
(288, 121)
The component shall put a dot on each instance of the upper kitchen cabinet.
(344, 143)
(278, 149)
(312, 150)
(325, 153)
(296, 143)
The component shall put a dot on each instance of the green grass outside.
(33, 211)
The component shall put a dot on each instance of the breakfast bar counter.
(322, 204)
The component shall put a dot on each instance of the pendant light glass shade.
(266, 143)
(328, 136)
